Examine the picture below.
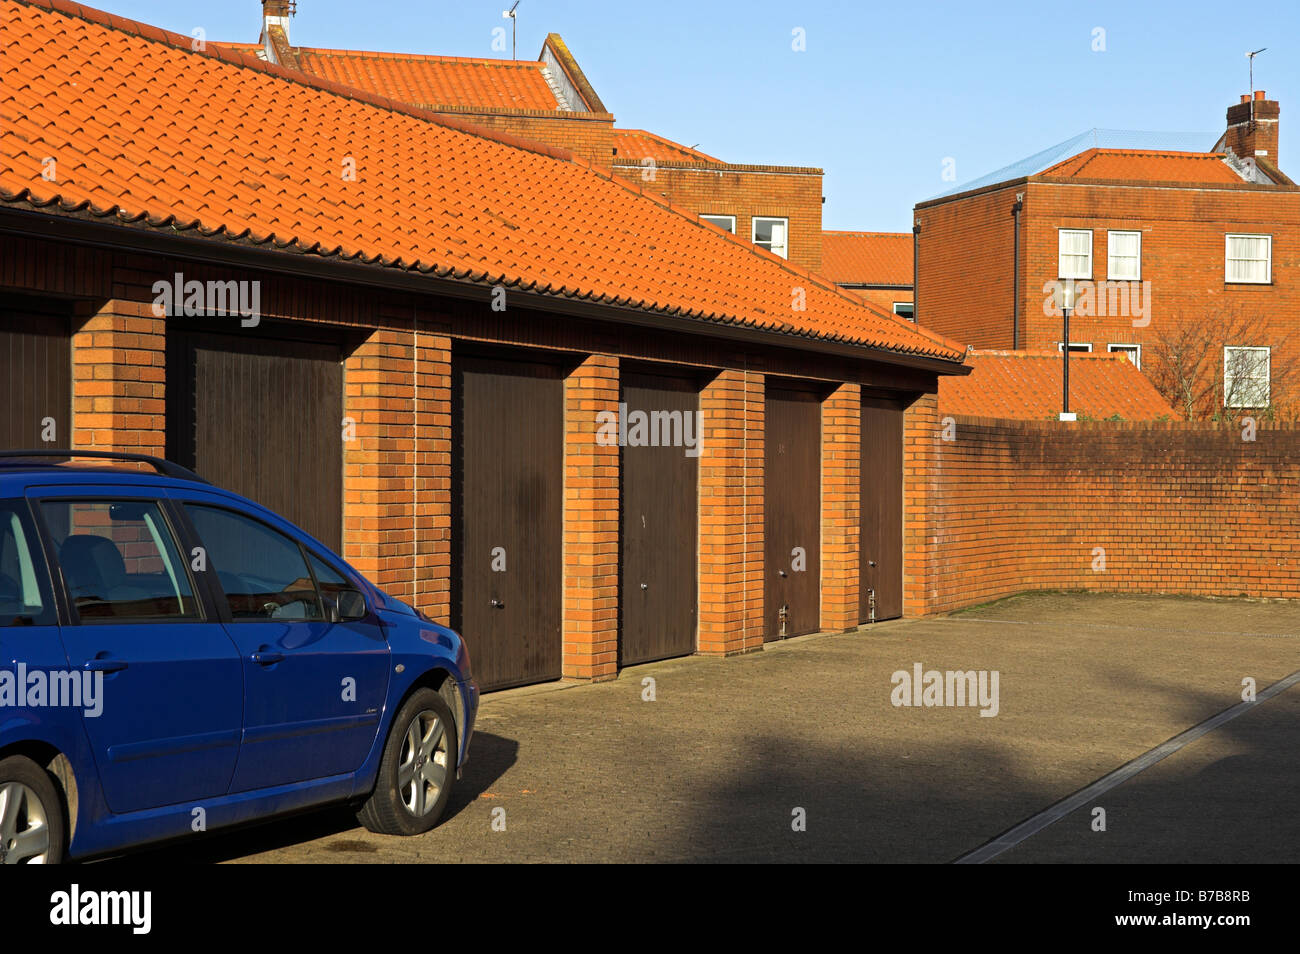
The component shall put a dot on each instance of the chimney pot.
(1245, 97)
(1259, 95)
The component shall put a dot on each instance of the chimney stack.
(1253, 126)
(275, 30)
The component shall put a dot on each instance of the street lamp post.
(1067, 302)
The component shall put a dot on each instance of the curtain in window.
(1076, 254)
(1124, 255)
(1248, 258)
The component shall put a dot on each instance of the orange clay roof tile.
(636, 145)
(147, 130)
(1144, 165)
(1026, 385)
(436, 80)
(867, 258)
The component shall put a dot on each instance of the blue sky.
(884, 92)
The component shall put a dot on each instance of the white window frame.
(1125, 347)
(1060, 244)
(753, 233)
(910, 305)
(1084, 347)
(1110, 256)
(712, 220)
(1268, 374)
(1227, 262)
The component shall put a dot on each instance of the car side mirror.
(347, 606)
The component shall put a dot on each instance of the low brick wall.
(1118, 507)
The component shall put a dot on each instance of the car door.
(168, 677)
(314, 687)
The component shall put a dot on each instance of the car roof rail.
(164, 467)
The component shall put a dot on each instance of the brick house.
(443, 339)
(550, 100)
(1170, 251)
(876, 265)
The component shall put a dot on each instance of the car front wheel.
(31, 814)
(417, 769)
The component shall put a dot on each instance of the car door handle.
(104, 665)
(266, 659)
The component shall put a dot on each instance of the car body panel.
(293, 747)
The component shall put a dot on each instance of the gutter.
(116, 238)
(1016, 209)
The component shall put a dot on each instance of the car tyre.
(31, 814)
(417, 770)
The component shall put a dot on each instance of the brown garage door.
(507, 508)
(659, 520)
(35, 379)
(792, 513)
(262, 416)
(881, 554)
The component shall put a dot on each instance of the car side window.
(263, 573)
(25, 598)
(120, 561)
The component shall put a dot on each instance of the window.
(1125, 253)
(120, 561)
(905, 309)
(1245, 377)
(772, 234)
(333, 584)
(1075, 253)
(1133, 351)
(263, 573)
(1249, 259)
(1084, 347)
(725, 222)
(24, 590)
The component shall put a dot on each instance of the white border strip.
(1032, 826)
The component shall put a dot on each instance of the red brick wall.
(964, 280)
(118, 381)
(745, 193)
(885, 298)
(841, 508)
(591, 523)
(920, 429)
(589, 135)
(1176, 508)
(731, 530)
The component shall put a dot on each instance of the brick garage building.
(1178, 245)
(441, 322)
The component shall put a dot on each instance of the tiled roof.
(637, 144)
(1144, 165)
(435, 80)
(222, 146)
(867, 258)
(1026, 385)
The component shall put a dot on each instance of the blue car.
(175, 659)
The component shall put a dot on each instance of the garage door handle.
(645, 586)
(871, 562)
(497, 604)
(782, 572)
(104, 665)
(267, 659)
